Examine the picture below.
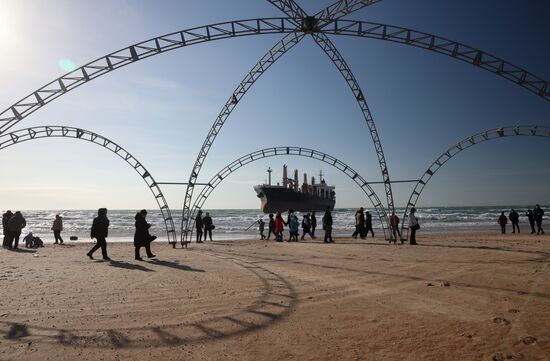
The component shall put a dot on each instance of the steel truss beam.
(466, 53)
(328, 47)
(54, 131)
(497, 133)
(278, 50)
(161, 44)
(133, 53)
(290, 151)
(339, 9)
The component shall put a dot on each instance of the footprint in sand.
(501, 320)
(513, 310)
(529, 340)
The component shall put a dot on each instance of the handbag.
(416, 227)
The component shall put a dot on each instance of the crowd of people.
(13, 224)
(534, 217)
(308, 224)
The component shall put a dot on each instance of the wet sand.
(258, 300)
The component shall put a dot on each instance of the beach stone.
(513, 310)
(529, 340)
(445, 284)
(498, 357)
(429, 284)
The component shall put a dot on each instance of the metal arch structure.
(229, 29)
(53, 131)
(292, 151)
(277, 51)
(136, 52)
(289, 7)
(491, 134)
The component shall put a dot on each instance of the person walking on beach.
(313, 224)
(271, 227)
(327, 226)
(514, 219)
(413, 226)
(368, 224)
(279, 222)
(100, 231)
(538, 213)
(6, 230)
(261, 226)
(142, 237)
(199, 225)
(208, 226)
(16, 223)
(57, 228)
(502, 220)
(531, 218)
(394, 223)
(306, 226)
(293, 226)
(288, 219)
(359, 223)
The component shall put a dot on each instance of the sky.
(160, 109)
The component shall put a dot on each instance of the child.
(294, 224)
(261, 227)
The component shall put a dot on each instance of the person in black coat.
(208, 225)
(199, 225)
(538, 213)
(368, 224)
(531, 219)
(142, 238)
(5, 219)
(313, 224)
(16, 223)
(100, 231)
(502, 220)
(514, 219)
(271, 226)
(327, 226)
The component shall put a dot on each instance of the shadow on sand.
(175, 265)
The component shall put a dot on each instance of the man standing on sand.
(199, 225)
(327, 226)
(271, 226)
(57, 227)
(538, 213)
(394, 223)
(368, 224)
(313, 224)
(100, 231)
(514, 219)
(531, 219)
(5, 219)
(16, 223)
(502, 220)
(413, 226)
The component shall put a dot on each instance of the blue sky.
(160, 109)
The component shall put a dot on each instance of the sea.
(233, 224)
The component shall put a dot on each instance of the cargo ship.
(290, 195)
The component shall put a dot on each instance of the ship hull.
(276, 198)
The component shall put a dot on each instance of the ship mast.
(269, 175)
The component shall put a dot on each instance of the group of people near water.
(13, 223)
(308, 224)
(533, 216)
(203, 225)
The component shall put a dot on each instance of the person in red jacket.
(502, 220)
(394, 223)
(279, 227)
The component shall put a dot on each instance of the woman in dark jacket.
(100, 231)
(142, 238)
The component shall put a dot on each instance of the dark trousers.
(271, 230)
(209, 232)
(262, 233)
(514, 226)
(199, 235)
(306, 231)
(313, 231)
(147, 250)
(412, 239)
(7, 237)
(15, 239)
(503, 228)
(532, 224)
(57, 235)
(539, 227)
(395, 231)
(357, 231)
(328, 233)
(101, 243)
(369, 228)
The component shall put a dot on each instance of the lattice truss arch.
(54, 131)
(290, 151)
(491, 134)
(327, 21)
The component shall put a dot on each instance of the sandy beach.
(258, 300)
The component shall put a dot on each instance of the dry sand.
(258, 300)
